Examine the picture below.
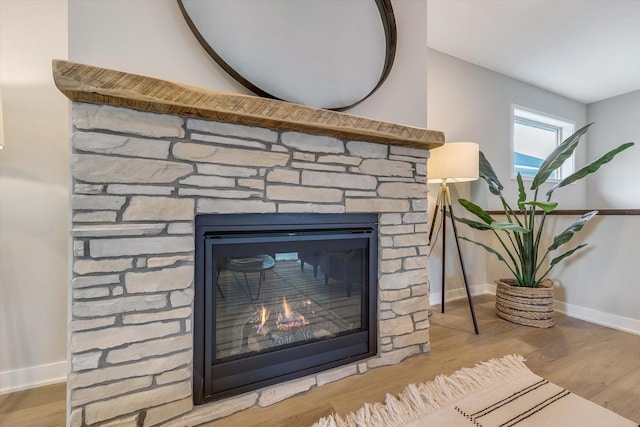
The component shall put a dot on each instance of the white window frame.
(564, 127)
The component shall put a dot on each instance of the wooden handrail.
(574, 212)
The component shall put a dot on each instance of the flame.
(286, 308)
(289, 319)
(264, 315)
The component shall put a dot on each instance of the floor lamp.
(451, 163)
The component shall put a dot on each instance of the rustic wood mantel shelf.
(86, 83)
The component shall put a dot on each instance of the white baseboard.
(34, 376)
(609, 320)
(459, 293)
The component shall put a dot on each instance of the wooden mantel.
(86, 83)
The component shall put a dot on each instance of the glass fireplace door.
(285, 302)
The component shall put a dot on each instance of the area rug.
(500, 392)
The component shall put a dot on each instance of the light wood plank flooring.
(600, 364)
(38, 407)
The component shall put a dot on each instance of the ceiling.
(585, 50)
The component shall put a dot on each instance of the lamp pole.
(443, 203)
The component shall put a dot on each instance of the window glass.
(535, 136)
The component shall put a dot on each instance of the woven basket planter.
(525, 306)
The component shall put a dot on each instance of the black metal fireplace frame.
(288, 363)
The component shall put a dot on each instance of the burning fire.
(289, 319)
(263, 316)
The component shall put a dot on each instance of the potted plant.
(527, 298)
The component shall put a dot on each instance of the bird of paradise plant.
(520, 236)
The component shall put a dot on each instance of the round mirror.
(326, 54)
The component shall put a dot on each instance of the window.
(535, 136)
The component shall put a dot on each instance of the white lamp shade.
(454, 162)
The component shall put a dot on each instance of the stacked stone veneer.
(138, 180)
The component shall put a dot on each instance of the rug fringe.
(419, 400)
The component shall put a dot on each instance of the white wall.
(617, 120)
(33, 195)
(152, 38)
(147, 37)
(471, 103)
(598, 284)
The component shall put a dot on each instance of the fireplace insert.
(280, 296)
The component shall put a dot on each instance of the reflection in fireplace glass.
(268, 301)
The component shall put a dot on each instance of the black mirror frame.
(388, 22)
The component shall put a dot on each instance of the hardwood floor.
(597, 363)
(38, 407)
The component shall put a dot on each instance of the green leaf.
(558, 156)
(494, 191)
(545, 206)
(566, 254)
(489, 175)
(487, 248)
(590, 168)
(473, 224)
(508, 226)
(522, 194)
(567, 234)
(476, 210)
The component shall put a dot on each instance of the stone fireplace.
(148, 157)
